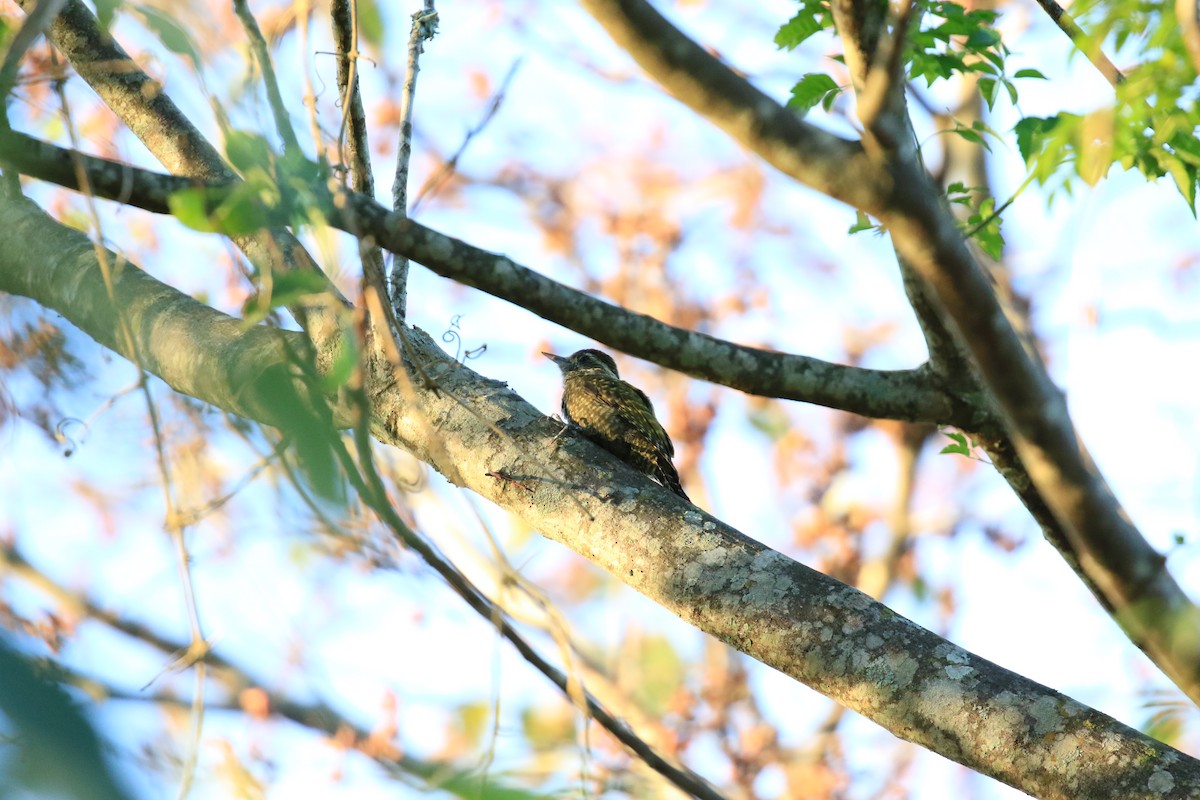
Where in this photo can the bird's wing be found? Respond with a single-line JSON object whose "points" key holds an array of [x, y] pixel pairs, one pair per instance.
{"points": [[614, 391]]}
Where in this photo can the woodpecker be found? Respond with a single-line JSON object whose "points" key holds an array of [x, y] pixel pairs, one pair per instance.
{"points": [[616, 415]]}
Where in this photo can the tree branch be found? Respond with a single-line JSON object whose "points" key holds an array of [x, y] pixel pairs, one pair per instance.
{"points": [[196, 350], [1066, 23], [424, 26], [910, 395], [1131, 576]]}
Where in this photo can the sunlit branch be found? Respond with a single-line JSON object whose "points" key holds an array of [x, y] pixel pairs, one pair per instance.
{"points": [[371, 488], [1066, 23], [344, 19]]}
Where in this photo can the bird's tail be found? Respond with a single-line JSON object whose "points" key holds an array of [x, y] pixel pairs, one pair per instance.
{"points": [[666, 474]]}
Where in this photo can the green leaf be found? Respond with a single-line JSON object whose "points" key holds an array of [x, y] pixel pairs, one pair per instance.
{"points": [[105, 11], [169, 32], [370, 23], [298, 170], [993, 56], [861, 223], [241, 211], [298, 410], [971, 136], [988, 237], [344, 363], [1032, 132], [1029, 73], [288, 287], [1012, 91], [285, 289], [247, 150], [988, 89], [1185, 180], [795, 31], [190, 206], [960, 446], [810, 90]]}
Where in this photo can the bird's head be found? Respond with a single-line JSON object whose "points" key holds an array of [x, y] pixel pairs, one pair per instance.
{"points": [[585, 360]]}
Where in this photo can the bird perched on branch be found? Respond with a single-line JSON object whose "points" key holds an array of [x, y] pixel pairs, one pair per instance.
{"points": [[616, 415]]}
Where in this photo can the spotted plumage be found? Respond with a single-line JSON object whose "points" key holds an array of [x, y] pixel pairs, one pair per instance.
{"points": [[616, 415]]}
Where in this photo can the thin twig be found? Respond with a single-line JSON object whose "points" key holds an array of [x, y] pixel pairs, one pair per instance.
{"points": [[1066, 23], [109, 271], [303, 12], [448, 168], [34, 26], [1003, 207], [193, 515], [353, 148], [890, 394], [424, 27], [353, 137], [316, 716], [283, 122], [343, 16]]}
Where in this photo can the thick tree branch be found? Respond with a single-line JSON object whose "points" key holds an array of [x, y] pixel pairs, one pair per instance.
{"points": [[839, 168], [1131, 576], [803, 623], [202, 352], [197, 351], [911, 395]]}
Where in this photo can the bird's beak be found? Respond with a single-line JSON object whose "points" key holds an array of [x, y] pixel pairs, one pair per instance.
{"points": [[562, 362]]}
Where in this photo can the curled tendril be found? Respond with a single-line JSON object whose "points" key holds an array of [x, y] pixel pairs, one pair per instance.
{"points": [[60, 435], [452, 336]]}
